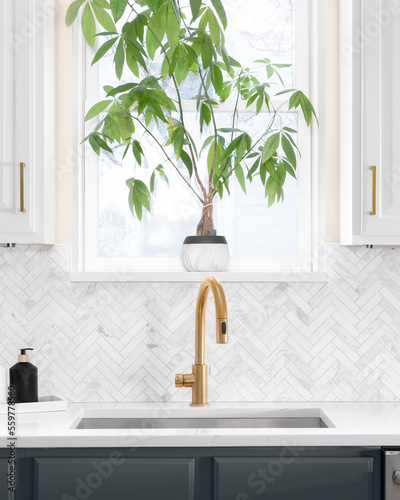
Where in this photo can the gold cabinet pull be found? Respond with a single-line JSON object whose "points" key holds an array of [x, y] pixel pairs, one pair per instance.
{"points": [[22, 187], [373, 190]]}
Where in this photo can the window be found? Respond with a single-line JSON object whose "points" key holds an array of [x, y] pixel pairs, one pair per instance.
{"points": [[272, 239]]}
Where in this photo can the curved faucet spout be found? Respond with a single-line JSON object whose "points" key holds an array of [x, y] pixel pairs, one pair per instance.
{"points": [[197, 380], [221, 315]]}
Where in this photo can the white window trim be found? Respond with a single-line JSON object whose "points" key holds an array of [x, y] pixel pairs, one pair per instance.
{"points": [[86, 267]]}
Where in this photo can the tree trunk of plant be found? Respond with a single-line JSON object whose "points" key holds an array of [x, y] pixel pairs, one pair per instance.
{"points": [[206, 222]]}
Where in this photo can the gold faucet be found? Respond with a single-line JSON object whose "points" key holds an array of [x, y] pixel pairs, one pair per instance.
{"points": [[197, 380]]}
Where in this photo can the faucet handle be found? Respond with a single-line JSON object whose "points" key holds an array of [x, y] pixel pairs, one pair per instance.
{"points": [[184, 380], [179, 380]]}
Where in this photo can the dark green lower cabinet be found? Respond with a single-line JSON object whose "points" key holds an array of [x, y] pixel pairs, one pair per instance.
{"points": [[117, 477], [3, 478], [292, 473], [292, 478]]}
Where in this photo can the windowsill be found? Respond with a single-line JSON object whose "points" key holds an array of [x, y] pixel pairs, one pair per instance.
{"points": [[186, 277]]}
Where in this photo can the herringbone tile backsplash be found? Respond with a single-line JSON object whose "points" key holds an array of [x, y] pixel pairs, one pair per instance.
{"points": [[335, 341]]}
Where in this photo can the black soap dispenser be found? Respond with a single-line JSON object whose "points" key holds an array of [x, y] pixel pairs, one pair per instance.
{"points": [[24, 378]]}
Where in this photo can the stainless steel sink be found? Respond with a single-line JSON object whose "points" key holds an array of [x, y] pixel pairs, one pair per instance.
{"points": [[203, 423]]}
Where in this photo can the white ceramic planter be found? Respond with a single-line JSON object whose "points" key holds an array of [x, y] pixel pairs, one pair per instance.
{"points": [[205, 253]]}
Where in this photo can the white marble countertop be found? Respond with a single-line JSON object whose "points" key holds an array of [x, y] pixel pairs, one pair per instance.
{"points": [[353, 424]]}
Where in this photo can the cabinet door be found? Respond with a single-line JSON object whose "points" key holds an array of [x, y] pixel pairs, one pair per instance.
{"points": [[3, 478], [114, 477], [381, 120], [289, 478], [26, 122], [16, 119]]}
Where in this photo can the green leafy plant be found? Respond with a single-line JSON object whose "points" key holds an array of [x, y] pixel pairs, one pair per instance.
{"points": [[189, 41]]}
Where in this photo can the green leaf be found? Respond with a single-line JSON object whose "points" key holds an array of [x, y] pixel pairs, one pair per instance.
{"points": [[139, 197], [120, 89], [195, 7], [172, 26], [103, 144], [271, 189], [88, 25], [160, 171], [97, 142], [138, 206], [97, 109], [212, 157], [152, 181], [253, 169], [187, 162], [119, 59], [229, 130], [142, 188], [289, 169], [207, 142], [207, 51], [102, 3], [126, 127], [113, 128], [137, 151], [300, 99], [217, 80], [95, 145], [104, 18], [289, 151], [259, 104], [240, 177], [118, 8], [104, 49], [152, 43], [72, 11], [126, 151], [270, 146], [215, 30], [131, 61], [205, 115], [281, 171], [178, 142], [270, 165], [219, 8]]}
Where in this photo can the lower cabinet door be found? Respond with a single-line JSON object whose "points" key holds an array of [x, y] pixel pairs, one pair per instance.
{"points": [[3, 478], [114, 478], [293, 478]]}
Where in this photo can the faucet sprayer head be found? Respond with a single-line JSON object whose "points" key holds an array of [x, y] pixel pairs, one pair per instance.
{"points": [[222, 330]]}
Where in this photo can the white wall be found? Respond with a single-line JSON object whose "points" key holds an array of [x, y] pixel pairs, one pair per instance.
{"points": [[64, 143], [332, 121]]}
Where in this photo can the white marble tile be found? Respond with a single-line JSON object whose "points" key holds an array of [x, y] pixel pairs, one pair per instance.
{"points": [[288, 342]]}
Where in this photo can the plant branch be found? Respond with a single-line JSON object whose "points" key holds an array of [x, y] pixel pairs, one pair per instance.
{"points": [[168, 158], [178, 94]]}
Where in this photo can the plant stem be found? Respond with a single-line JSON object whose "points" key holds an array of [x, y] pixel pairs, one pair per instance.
{"points": [[168, 158], [198, 180]]}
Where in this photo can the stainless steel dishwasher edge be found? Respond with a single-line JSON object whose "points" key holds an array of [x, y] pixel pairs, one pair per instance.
{"points": [[392, 474]]}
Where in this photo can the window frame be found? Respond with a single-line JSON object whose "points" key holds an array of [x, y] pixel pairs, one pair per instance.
{"points": [[310, 264]]}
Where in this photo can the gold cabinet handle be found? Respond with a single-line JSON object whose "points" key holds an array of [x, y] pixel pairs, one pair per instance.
{"points": [[22, 187], [373, 190]]}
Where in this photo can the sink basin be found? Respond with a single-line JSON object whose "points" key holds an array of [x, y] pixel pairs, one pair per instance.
{"points": [[304, 422]]}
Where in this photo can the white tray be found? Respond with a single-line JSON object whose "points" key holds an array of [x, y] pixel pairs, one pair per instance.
{"points": [[45, 403]]}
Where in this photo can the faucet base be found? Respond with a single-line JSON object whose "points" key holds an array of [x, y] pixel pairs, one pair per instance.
{"points": [[201, 404]]}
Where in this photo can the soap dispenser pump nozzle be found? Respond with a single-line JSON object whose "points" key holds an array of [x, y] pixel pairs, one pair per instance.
{"points": [[23, 357]]}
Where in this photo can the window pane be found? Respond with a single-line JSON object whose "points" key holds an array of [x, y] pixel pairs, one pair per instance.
{"points": [[252, 229], [256, 29], [260, 29]]}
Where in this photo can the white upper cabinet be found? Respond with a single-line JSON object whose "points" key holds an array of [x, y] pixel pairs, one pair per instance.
{"points": [[27, 168], [370, 122]]}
